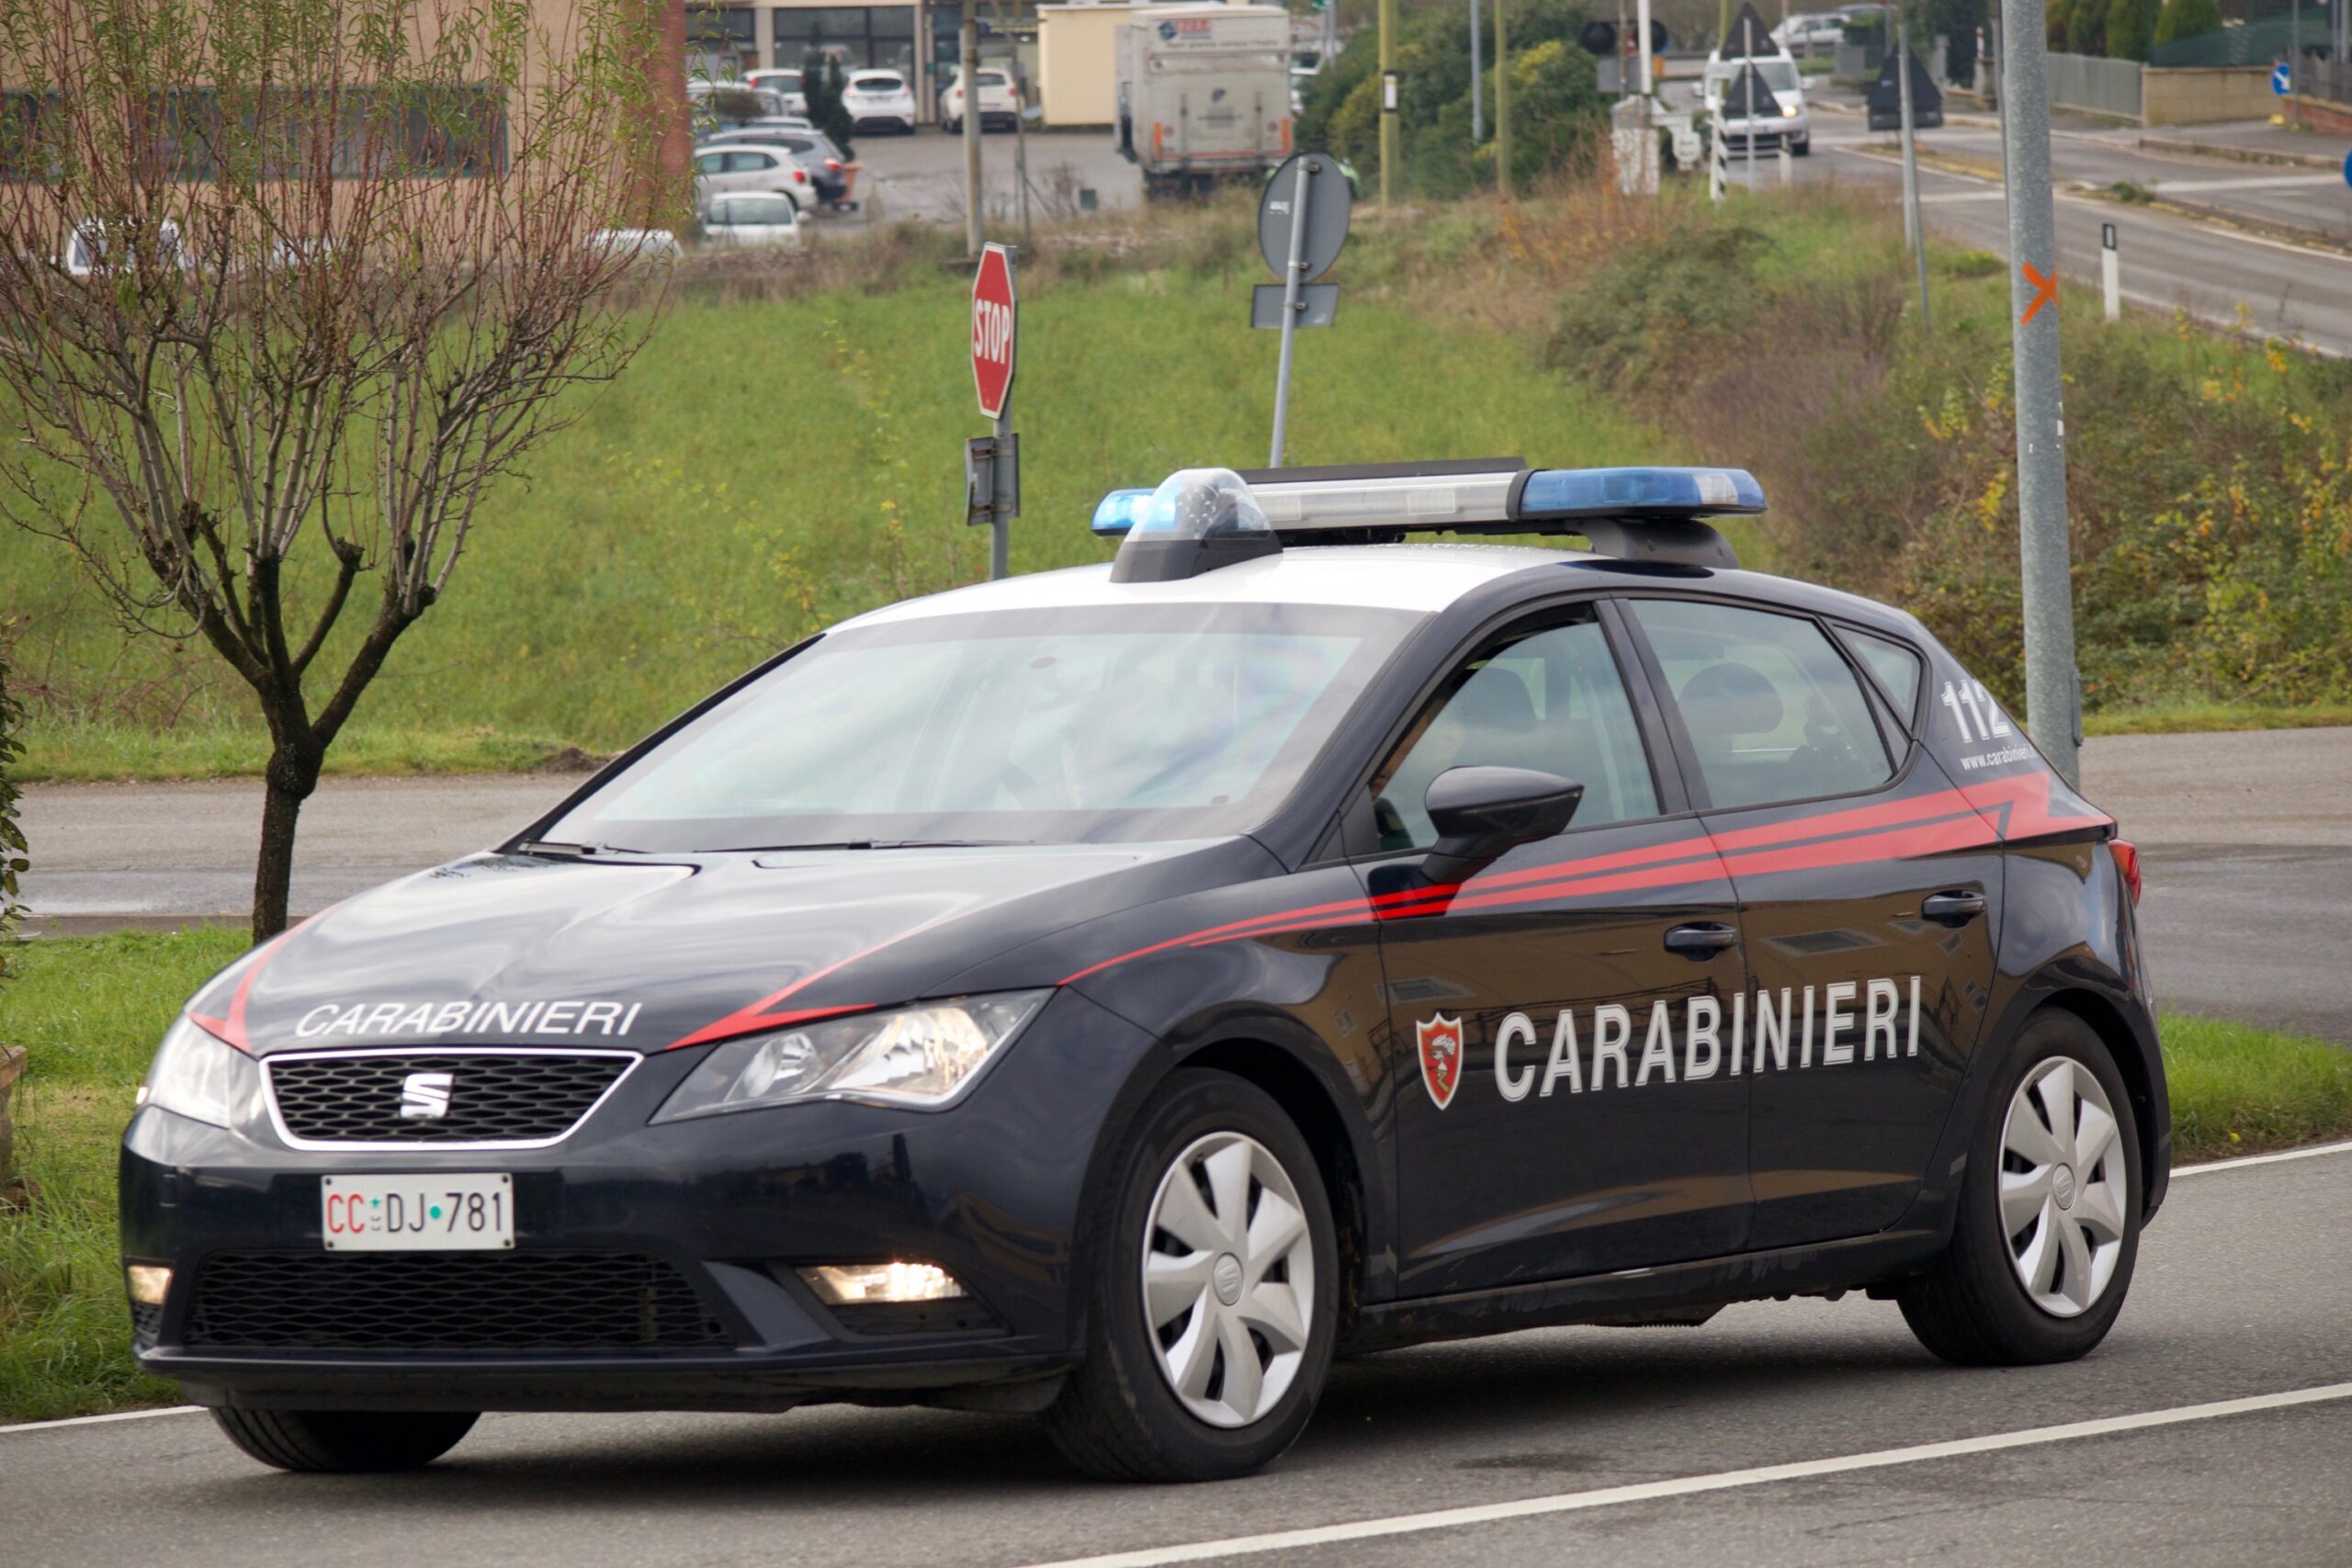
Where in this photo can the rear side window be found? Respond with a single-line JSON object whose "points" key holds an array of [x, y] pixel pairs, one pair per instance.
{"points": [[1897, 667], [1772, 711], [1551, 700]]}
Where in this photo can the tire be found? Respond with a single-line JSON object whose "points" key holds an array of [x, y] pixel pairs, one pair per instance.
{"points": [[1120, 1416], [1974, 1307], [953, 127], [345, 1441], [1803, 149]]}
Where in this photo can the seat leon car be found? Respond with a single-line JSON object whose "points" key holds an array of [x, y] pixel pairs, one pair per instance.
{"points": [[1108, 994]]}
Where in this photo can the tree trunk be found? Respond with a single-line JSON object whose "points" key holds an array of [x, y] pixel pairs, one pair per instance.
{"points": [[293, 773]]}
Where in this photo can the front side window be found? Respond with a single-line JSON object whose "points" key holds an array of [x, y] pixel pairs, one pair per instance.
{"points": [[1772, 711], [1551, 700], [1080, 726]]}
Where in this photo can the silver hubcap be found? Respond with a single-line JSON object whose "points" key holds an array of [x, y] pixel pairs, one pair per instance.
{"points": [[2064, 1186], [1228, 1279]]}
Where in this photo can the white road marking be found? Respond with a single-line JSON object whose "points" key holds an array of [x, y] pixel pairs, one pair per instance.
{"points": [[1651, 1491], [94, 1420], [2244, 182], [2213, 1164]]}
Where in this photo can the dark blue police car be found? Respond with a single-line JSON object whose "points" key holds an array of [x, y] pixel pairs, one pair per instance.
{"points": [[1108, 993]]}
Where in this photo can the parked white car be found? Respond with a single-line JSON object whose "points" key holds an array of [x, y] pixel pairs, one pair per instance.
{"points": [[105, 244], [731, 168], [784, 85], [1792, 125], [878, 98], [747, 220], [1805, 34], [656, 246], [999, 104]]}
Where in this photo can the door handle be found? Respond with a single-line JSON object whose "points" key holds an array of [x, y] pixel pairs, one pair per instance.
{"points": [[1702, 941], [1952, 908]]}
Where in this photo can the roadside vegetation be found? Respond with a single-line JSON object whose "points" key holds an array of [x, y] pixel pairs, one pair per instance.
{"points": [[91, 1010], [784, 452]]}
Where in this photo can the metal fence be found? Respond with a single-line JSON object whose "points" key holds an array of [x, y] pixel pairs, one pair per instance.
{"points": [[2328, 79], [2101, 86]]}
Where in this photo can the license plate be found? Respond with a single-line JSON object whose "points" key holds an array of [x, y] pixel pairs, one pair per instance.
{"points": [[417, 1213]]}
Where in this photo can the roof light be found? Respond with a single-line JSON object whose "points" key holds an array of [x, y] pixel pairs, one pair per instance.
{"points": [[1197, 520], [1119, 511], [1634, 493]]}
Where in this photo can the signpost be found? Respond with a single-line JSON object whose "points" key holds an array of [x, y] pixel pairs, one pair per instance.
{"points": [[992, 463], [1302, 224]]}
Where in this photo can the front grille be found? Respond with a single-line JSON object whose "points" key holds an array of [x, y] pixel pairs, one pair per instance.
{"points": [[493, 1097], [507, 1301]]}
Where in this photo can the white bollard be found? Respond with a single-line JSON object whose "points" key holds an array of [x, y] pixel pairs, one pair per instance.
{"points": [[1788, 163], [2110, 272]]}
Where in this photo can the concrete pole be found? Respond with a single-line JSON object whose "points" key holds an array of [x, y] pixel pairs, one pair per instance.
{"points": [[2050, 690], [968, 51], [1387, 110], [1503, 104], [1912, 225], [1477, 80], [1641, 26]]}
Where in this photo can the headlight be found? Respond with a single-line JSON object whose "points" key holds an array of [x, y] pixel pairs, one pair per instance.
{"points": [[919, 1056], [1787, 111], [198, 1076]]}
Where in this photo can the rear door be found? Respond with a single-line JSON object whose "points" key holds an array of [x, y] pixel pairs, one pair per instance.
{"points": [[1566, 1105], [1864, 884]]}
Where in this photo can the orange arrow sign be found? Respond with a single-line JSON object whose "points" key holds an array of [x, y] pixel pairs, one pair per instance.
{"points": [[2045, 290]]}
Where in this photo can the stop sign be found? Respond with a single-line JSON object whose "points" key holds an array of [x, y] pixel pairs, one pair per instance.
{"points": [[992, 318]]}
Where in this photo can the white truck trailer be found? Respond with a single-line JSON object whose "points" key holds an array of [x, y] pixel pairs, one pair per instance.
{"points": [[1203, 94]]}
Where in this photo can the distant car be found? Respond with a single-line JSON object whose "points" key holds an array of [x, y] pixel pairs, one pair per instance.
{"points": [[1792, 126], [827, 165], [875, 98], [105, 244], [655, 245], [736, 103], [1804, 34], [727, 168], [748, 219], [999, 104], [784, 85]]}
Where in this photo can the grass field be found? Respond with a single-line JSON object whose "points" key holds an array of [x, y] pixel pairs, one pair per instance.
{"points": [[90, 1009]]}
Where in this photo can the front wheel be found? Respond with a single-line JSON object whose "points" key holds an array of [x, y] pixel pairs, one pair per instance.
{"points": [[1212, 1294], [2049, 1225], [345, 1441]]}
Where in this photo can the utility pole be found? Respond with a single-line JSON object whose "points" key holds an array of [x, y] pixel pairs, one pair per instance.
{"points": [[1914, 234], [2051, 694], [1387, 102], [1502, 105], [968, 51], [1477, 80]]}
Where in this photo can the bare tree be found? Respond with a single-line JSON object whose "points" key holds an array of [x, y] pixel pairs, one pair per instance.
{"points": [[285, 285]]}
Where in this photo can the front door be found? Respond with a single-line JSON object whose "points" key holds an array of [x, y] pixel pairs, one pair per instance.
{"points": [[1565, 1101], [1865, 888]]}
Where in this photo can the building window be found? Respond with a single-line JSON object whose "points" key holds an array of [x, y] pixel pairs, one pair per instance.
{"points": [[859, 37], [723, 33]]}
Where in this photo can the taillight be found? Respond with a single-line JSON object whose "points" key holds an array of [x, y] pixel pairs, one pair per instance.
{"points": [[833, 166], [2127, 862], [800, 176]]}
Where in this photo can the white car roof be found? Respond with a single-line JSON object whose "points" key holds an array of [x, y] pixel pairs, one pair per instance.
{"points": [[1426, 578]]}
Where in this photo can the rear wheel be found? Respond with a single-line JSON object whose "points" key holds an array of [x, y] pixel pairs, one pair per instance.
{"points": [[2049, 1227], [1213, 1292], [345, 1442]]}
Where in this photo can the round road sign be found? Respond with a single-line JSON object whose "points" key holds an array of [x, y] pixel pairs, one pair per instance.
{"points": [[993, 313], [1329, 201]]}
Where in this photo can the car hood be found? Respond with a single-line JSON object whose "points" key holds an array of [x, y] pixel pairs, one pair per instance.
{"points": [[649, 955]]}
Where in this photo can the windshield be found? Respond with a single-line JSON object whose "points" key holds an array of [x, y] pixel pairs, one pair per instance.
{"points": [[744, 211], [1067, 727]]}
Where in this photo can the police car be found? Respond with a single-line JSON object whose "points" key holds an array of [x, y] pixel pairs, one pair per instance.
{"points": [[1107, 994]]}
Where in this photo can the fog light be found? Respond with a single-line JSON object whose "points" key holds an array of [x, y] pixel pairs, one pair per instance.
{"points": [[849, 1284], [150, 1282]]}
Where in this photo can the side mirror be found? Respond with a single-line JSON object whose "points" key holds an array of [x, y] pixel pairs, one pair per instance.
{"points": [[1482, 814]]}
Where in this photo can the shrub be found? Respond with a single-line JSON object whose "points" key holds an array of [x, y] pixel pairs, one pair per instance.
{"points": [[2188, 19], [2131, 28], [822, 89]]}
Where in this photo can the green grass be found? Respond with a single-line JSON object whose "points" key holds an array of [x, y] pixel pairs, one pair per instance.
{"points": [[89, 1011], [767, 468], [91, 1008], [2191, 717]]}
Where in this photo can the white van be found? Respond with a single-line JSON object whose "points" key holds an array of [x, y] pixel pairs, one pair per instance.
{"points": [[1794, 125]]}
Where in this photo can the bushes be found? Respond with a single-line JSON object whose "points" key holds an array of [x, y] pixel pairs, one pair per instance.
{"points": [[2188, 19], [1555, 108], [2131, 28]]}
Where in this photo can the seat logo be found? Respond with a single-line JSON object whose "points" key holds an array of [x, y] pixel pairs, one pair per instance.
{"points": [[424, 1096], [1440, 1039]]}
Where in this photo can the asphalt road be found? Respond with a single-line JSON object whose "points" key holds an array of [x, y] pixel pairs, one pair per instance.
{"points": [[922, 176], [2247, 837], [2219, 272], [2239, 1296]]}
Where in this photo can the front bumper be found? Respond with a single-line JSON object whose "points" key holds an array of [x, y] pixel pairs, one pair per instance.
{"points": [[726, 1208]]}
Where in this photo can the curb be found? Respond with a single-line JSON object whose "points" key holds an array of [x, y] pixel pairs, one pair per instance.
{"points": [[2229, 154]]}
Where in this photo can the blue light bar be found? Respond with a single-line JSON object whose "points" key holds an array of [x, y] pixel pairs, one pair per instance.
{"points": [[1120, 510], [1638, 492]]}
